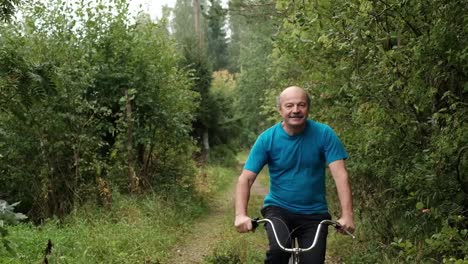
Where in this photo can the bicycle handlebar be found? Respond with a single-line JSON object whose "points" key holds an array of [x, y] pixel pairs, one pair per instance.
{"points": [[335, 224]]}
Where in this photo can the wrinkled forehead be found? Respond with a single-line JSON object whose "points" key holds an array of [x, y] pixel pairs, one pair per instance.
{"points": [[293, 96]]}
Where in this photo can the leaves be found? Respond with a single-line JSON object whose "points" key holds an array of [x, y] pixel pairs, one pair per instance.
{"points": [[8, 217], [7, 214], [388, 76], [7, 9], [62, 77]]}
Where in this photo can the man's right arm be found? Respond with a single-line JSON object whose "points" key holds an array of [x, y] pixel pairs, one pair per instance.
{"points": [[244, 183]]}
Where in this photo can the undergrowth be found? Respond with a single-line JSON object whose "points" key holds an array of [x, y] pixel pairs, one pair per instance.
{"points": [[134, 230], [235, 248]]}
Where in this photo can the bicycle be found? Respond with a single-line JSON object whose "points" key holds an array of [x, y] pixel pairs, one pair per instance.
{"points": [[295, 249]]}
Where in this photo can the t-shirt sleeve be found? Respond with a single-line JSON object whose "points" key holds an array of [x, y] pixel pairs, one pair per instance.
{"points": [[333, 148], [257, 156]]}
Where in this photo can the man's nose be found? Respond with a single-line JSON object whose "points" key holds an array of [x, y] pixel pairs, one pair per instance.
{"points": [[296, 109]]}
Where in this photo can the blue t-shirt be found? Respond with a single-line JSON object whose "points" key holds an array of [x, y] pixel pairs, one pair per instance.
{"points": [[296, 165]]}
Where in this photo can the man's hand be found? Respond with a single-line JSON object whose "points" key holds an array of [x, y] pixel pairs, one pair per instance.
{"points": [[243, 223], [346, 224]]}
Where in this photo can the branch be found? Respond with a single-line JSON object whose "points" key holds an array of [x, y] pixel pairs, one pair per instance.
{"points": [[413, 28]]}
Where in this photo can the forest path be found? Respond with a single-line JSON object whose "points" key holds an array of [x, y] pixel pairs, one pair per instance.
{"points": [[207, 231]]}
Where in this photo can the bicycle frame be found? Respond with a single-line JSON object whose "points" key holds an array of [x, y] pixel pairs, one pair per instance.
{"points": [[296, 249]]}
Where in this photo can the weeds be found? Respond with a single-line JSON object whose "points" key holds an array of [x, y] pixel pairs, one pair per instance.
{"points": [[134, 230]]}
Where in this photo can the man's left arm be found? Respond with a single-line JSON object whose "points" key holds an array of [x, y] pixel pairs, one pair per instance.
{"points": [[340, 175]]}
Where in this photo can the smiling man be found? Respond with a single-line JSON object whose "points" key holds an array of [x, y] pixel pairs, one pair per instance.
{"points": [[297, 151]]}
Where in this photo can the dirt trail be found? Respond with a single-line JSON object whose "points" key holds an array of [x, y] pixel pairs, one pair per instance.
{"points": [[206, 232]]}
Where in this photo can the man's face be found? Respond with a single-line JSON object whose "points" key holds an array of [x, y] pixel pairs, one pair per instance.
{"points": [[294, 108]]}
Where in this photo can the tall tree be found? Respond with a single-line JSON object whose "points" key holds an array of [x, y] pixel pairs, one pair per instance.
{"points": [[236, 24], [189, 31], [254, 32], [216, 36]]}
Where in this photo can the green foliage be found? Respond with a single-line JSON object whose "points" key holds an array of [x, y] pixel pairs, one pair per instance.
{"points": [[7, 9], [220, 178], [223, 155], [88, 97], [224, 124], [216, 35], [241, 248], [216, 123], [254, 32], [183, 24], [8, 217], [389, 77], [136, 230], [235, 251]]}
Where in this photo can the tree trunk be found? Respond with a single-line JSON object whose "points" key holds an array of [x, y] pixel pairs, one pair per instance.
{"points": [[206, 145], [133, 180], [197, 24]]}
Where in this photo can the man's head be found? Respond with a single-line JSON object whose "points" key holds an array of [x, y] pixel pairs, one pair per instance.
{"points": [[293, 106]]}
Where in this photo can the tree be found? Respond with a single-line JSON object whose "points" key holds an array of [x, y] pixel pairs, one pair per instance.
{"points": [[389, 77], [216, 35], [7, 9], [188, 26], [254, 33], [84, 97]]}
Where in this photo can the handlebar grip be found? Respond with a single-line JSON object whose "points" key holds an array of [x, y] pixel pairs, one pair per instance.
{"points": [[254, 223], [338, 226]]}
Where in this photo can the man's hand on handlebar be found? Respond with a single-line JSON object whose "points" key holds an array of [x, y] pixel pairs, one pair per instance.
{"points": [[346, 224], [243, 223]]}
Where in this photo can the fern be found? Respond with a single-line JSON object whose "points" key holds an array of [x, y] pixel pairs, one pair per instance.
{"points": [[8, 216]]}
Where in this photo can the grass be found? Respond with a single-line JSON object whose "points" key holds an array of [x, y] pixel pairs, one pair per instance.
{"points": [[250, 248], [135, 230], [144, 229], [240, 248], [140, 229]]}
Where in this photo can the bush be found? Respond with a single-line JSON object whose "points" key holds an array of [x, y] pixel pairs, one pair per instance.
{"points": [[8, 217]]}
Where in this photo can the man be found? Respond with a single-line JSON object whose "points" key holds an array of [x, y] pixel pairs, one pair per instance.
{"points": [[297, 151]]}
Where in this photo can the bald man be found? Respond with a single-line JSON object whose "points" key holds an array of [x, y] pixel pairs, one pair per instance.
{"points": [[297, 151]]}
